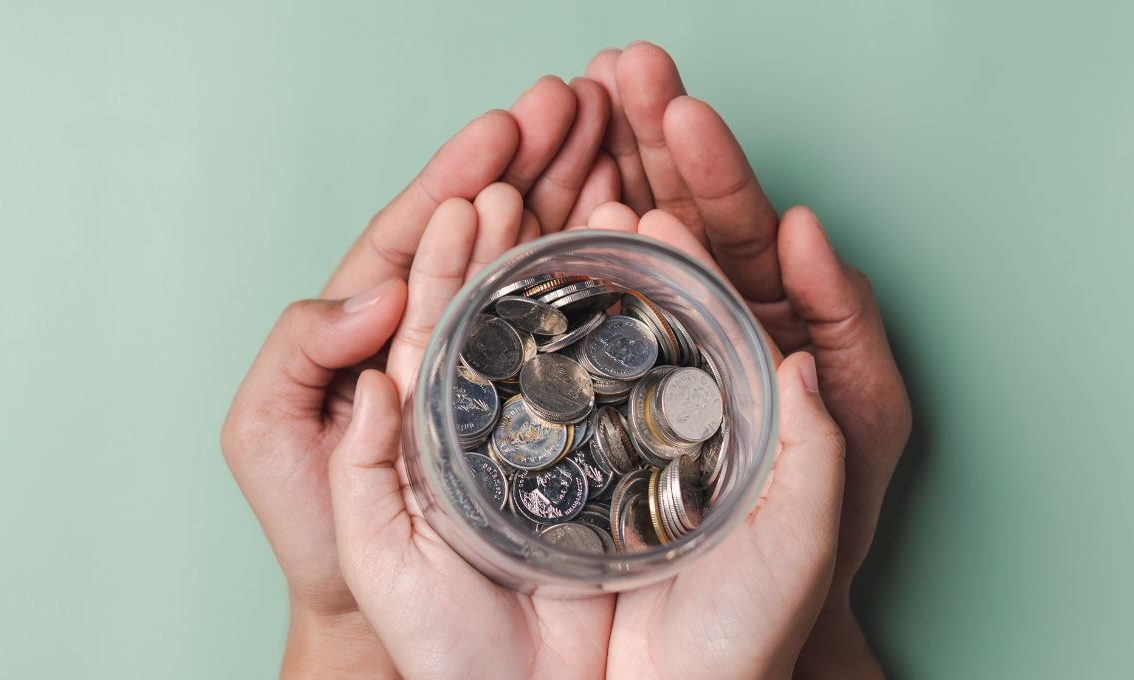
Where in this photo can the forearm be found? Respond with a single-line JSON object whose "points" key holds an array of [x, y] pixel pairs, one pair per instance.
{"points": [[333, 646]]}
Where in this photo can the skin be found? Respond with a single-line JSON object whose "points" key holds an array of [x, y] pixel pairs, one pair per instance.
{"points": [[282, 421], [767, 581], [676, 153], [296, 400]]}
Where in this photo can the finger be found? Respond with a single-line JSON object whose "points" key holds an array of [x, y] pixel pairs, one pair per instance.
{"points": [[847, 337], [438, 273], [613, 216], [799, 512], [665, 227], [499, 210], [601, 186], [647, 82], [557, 189], [529, 227], [471, 160], [366, 490], [543, 116], [739, 220], [312, 340], [619, 141]]}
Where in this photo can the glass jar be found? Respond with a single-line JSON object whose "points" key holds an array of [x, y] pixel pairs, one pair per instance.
{"points": [[458, 509]]}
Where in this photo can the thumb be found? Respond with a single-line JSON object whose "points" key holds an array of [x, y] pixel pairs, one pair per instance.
{"points": [[314, 338], [366, 490], [801, 507]]}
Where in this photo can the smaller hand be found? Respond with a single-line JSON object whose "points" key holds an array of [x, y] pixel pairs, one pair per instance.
{"points": [[436, 615]]}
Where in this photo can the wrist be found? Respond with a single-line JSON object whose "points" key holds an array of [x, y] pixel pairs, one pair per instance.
{"points": [[339, 645], [837, 646]]}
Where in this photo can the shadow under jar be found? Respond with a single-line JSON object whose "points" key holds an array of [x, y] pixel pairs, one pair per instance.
{"points": [[502, 546]]}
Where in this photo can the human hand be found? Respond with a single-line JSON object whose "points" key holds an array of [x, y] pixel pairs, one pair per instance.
{"points": [[436, 615], [296, 400], [675, 152], [439, 617]]}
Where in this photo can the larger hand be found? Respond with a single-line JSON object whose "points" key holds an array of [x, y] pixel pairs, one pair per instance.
{"points": [[294, 405], [675, 152]]}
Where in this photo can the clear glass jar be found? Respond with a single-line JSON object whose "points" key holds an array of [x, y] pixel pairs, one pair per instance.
{"points": [[490, 539]]}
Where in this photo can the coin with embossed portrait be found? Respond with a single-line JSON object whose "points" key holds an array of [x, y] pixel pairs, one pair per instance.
{"points": [[526, 442], [690, 404]]}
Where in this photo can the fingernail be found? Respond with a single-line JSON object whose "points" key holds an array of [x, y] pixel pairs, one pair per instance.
{"points": [[807, 374], [367, 298]]}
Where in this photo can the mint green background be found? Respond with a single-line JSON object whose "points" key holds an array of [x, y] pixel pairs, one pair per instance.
{"points": [[172, 174]]}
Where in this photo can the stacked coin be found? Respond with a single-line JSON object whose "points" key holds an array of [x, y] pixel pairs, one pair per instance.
{"points": [[591, 414]]}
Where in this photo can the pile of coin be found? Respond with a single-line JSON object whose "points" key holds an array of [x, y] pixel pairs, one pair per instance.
{"points": [[591, 414]]}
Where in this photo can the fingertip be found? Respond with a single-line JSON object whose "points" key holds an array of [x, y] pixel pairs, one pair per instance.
{"points": [[603, 63], [803, 416], [614, 216], [499, 197], [374, 424], [592, 91]]}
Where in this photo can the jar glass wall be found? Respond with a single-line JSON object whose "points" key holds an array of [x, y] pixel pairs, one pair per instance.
{"points": [[492, 540]]}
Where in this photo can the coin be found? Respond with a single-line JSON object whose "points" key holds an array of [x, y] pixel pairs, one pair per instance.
{"points": [[621, 348], [689, 404], [523, 284], [713, 454], [635, 530], [475, 405], [526, 442], [557, 388], [639, 306], [550, 496], [494, 349], [490, 476], [612, 442], [531, 315], [575, 536], [599, 476], [574, 334], [597, 517]]}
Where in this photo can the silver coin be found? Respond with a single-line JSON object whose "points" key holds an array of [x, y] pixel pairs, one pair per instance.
{"points": [[713, 453], [550, 496], [494, 349], [526, 442], [599, 476], [475, 403], [646, 437], [545, 287], [635, 529], [690, 403], [573, 335], [557, 388], [571, 289], [621, 348], [574, 536], [531, 347], [490, 476], [583, 433], [634, 484], [600, 522], [531, 315], [588, 301], [612, 441], [687, 492], [690, 355], [637, 305]]}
